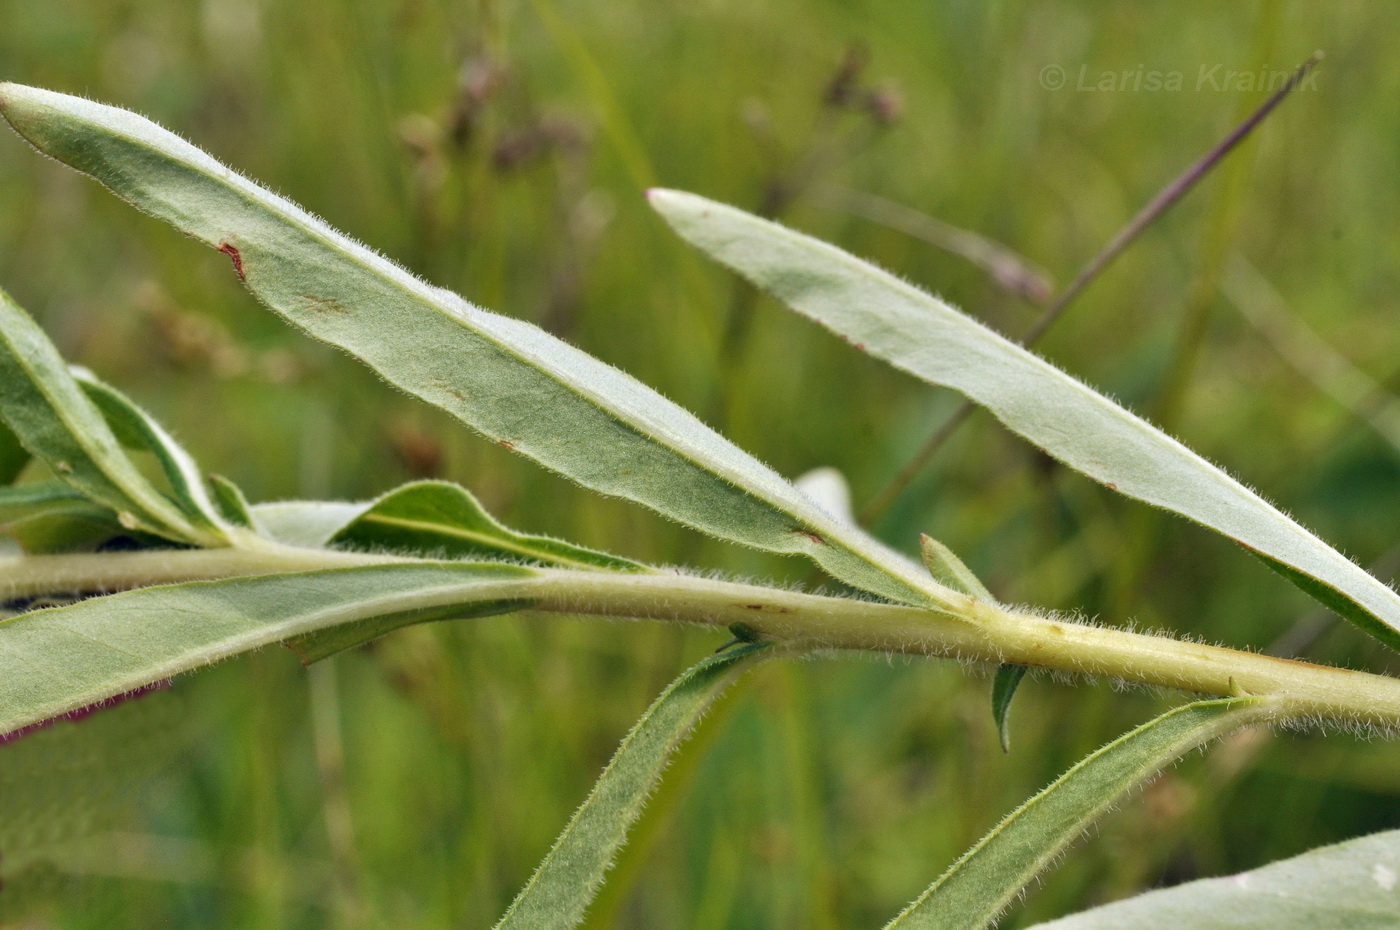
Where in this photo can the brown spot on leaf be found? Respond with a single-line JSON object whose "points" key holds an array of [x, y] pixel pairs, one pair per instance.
{"points": [[506, 444], [235, 257], [814, 537], [324, 304]]}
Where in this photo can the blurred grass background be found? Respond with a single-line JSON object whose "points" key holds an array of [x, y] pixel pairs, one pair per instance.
{"points": [[501, 149]]}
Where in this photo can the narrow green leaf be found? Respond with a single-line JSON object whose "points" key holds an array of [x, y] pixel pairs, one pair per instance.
{"points": [[950, 570], [991, 875], [1004, 685], [65, 658], [444, 519], [1351, 884], [59, 424], [138, 430], [229, 499], [511, 381], [944, 565], [926, 337], [562, 887]]}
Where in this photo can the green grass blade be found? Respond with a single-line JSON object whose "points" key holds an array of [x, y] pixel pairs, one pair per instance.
{"points": [[1351, 884], [444, 520], [980, 885], [509, 380], [926, 337], [562, 887], [138, 430], [58, 423], [58, 660]]}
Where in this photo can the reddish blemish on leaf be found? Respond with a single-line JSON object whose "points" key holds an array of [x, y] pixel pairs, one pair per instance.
{"points": [[814, 537], [234, 257], [507, 444], [81, 712]]}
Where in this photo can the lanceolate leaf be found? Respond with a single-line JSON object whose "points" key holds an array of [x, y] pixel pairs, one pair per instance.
{"points": [[559, 892], [59, 424], [926, 337], [1351, 885], [991, 875], [443, 519], [1004, 685], [137, 430], [65, 658], [509, 380]]}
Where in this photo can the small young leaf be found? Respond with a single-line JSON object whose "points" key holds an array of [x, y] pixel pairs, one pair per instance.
{"points": [[951, 571], [138, 430], [1351, 884], [59, 424], [510, 381], [926, 337], [991, 875], [444, 519], [232, 505], [562, 887], [1004, 685], [64, 658]]}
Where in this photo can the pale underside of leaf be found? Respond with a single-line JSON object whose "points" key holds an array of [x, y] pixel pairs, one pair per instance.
{"points": [[64, 658], [511, 381], [559, 892], [1351, 884], [920, 334], [980, 885]]}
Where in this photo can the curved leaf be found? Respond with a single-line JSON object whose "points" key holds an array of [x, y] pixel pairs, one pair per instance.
{"points": [[992, 874], [511, 381], [444, 519], [926, 337], [1351, 884], [138, 430], [65, 658], [49, 516], [562, 887], [58, 423]]}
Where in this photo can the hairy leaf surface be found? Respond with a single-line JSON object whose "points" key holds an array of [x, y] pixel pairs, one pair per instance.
{"points": [[509, 380], [926, 337], [1351, 884], [981, 884], [64, 658]]}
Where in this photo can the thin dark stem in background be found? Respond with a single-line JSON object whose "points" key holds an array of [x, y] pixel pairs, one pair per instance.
{"points": [[1159, 205]]}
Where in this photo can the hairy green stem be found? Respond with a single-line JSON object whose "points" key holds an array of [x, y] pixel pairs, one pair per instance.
{"points": [[971, 630]]}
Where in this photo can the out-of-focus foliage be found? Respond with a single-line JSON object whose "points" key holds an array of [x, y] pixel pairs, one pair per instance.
{"points": [[500, 149]]}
